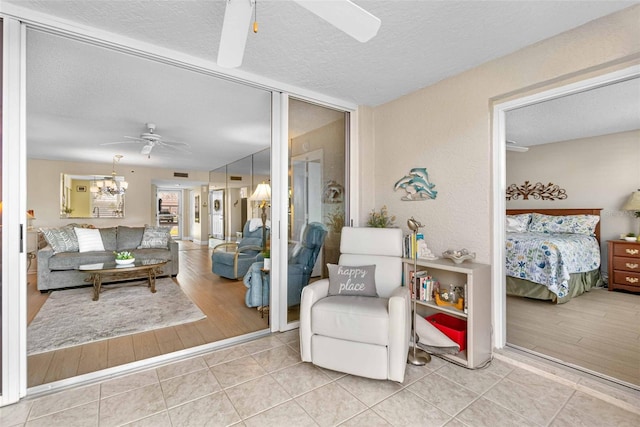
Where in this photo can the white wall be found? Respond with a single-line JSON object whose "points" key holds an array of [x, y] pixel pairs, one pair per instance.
{"points": [[446, 128], [43, 191], [596, 172]]}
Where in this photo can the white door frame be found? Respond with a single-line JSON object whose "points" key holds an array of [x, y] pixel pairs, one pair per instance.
{"points": [[14, 162], [499, 181]]}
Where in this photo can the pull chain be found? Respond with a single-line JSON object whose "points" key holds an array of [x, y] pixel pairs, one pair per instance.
{"points": [[255, 17]]}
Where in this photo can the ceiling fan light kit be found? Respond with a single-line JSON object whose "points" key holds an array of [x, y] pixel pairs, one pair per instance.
{"points": [[342, 14]]}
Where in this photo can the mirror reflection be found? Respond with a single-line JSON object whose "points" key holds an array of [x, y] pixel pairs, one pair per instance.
{"points": [[92, 196]]}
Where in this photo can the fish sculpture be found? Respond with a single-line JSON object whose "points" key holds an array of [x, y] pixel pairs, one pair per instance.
{"points": [[417, 185]]}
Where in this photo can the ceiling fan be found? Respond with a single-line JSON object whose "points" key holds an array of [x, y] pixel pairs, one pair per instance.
{"points": [[342, 14], [150, 139]]}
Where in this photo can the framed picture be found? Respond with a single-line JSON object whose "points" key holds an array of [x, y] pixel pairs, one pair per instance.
{"points": [[196, 210], [81, 188]]}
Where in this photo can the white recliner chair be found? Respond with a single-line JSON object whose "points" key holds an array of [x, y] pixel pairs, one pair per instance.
{"points": [[358, 335]]}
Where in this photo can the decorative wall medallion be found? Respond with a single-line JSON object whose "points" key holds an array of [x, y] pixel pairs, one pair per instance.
{"points": [[333, 192], [416, 185], [540, 191]]}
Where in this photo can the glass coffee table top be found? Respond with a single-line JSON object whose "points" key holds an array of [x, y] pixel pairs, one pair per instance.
{"points": [[111, 265]]}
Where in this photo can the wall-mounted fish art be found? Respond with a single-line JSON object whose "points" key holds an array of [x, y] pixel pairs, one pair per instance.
{"points": [[416, 185]]}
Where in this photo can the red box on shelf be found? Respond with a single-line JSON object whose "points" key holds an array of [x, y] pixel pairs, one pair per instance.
{"points": [[454, 328]]}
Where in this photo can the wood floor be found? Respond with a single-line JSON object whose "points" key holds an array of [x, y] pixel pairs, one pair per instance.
{"points": [[599, 330], [222, 301]]}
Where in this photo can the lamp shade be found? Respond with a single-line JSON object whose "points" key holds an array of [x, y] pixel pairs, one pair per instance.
{"points": [[262, 193], [633, 203]]}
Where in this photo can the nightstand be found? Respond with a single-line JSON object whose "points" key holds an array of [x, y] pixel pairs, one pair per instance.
{"points": [[624, 265]]}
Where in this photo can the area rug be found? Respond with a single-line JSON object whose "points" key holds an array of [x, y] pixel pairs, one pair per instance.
{"points": [[70, 317]]}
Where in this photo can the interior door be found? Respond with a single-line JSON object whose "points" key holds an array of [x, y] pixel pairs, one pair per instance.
{"points": [[216, 201]]}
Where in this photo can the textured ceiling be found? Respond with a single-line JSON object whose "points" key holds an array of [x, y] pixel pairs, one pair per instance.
{"points": [[80, 96], [419, 42], [608, 109]]}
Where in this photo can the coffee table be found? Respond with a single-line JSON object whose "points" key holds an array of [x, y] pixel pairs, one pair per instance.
{"points": [[149, 268]]}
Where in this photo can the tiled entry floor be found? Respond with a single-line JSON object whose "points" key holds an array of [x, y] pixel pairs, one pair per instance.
{"points": [[263, 383]]}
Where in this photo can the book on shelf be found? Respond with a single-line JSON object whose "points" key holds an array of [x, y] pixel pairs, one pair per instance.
{"points": [[464, 287], [422, 285], [410, 244]]}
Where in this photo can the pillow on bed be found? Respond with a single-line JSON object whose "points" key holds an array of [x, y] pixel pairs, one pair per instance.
{"points": [[517, 223], [576, 224]]}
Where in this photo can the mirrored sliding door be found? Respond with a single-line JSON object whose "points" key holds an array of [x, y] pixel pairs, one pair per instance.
{"points": [[318, 145]]}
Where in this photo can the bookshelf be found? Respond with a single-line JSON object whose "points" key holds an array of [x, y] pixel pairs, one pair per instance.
{"points": [[477, 278]]}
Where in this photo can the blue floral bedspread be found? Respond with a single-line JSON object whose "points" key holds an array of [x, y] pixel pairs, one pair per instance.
{"points": [[549, 258]]}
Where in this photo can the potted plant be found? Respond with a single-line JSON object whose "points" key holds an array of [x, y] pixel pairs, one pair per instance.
{"points": [[267, 259], [380, 219], [124, 257], [630, 237], [67, 211]]}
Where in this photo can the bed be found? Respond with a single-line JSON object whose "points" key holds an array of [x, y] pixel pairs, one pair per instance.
{"points": [[549, 257]]}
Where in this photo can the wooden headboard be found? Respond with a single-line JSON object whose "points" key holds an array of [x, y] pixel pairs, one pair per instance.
{"points": [[560, 212]]}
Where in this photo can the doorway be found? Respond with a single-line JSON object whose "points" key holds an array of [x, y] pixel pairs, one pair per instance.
{"points": [[610, 223], [168, 214]]}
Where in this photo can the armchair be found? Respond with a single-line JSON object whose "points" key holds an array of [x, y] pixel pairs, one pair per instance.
{"points": [[302, 258], [233, 259], [360, 335]]}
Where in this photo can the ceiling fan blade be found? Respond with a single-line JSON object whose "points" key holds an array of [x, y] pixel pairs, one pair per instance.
{"points": [[119, 142], [174, 143], [345, 16], [237, 19]]}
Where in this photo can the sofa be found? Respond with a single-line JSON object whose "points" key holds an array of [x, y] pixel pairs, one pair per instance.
{"points": [[65, 251]]}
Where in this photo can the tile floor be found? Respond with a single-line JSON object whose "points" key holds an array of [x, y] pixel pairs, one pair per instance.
{"points": [[263, 383]]}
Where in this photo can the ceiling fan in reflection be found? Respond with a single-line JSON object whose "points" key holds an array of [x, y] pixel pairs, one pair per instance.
{"points": [[150, 139]]}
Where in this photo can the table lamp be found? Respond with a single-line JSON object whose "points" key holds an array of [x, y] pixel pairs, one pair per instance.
{"points": [[263, 195], [633, 204]]}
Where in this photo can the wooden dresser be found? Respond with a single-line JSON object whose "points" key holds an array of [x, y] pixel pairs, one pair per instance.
{"points": [[624, 265]]}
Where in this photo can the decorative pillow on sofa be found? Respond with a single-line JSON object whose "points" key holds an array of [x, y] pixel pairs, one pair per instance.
{"points": [[109, 238], [61, 239], [155, 238], [89, 239], [576, 224], [129, 237], [352, 280], [517, 223]]}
